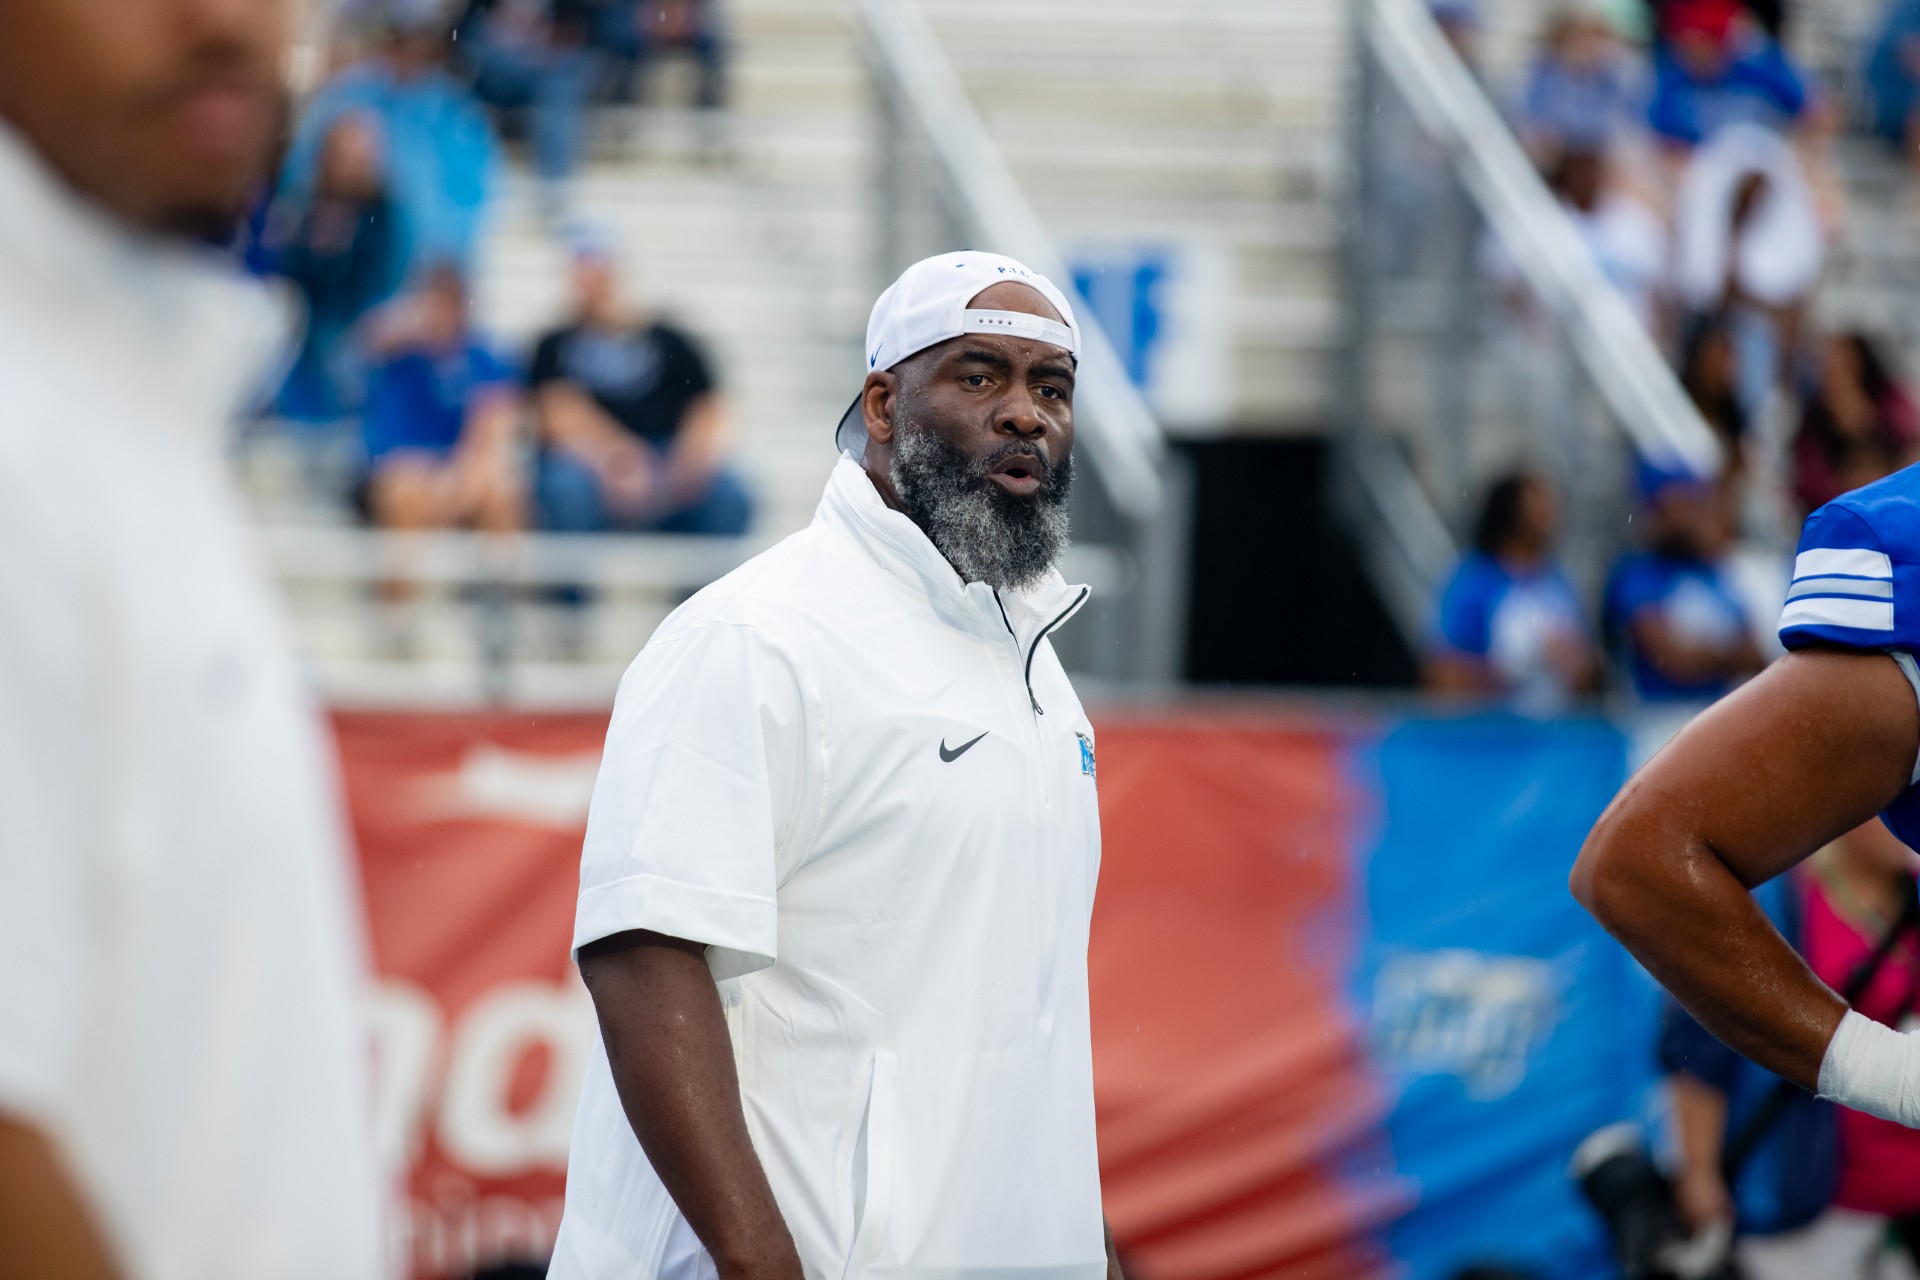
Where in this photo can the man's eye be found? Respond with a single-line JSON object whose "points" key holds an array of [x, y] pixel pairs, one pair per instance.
{"points": [[974, 380], [1052, 393]]}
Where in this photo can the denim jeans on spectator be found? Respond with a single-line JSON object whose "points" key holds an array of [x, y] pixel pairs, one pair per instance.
{"points": [[570, 502], [617, 31], [555, 83]]}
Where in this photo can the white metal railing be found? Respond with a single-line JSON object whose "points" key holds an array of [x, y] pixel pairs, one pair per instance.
{"points": [[1610, 342], [1117, 425], [662, 564]]}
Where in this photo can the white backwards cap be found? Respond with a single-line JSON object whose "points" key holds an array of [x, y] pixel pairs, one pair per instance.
{"points": [[927, 305]]}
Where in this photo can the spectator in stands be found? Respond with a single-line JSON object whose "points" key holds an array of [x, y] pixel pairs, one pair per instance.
{"points": [[1893, 78], [1709, 370], [1724, 1106], [1836, 913], [441, 420], [631, 425], [1626, 238], [1510, 623], [1857, 423], [1459, 22], [1861, 884], [1713, 66], [1672, 609], [533, 56], [637, 32], [1748, 248], [342, 251], [442, 159], [1580, 91]]}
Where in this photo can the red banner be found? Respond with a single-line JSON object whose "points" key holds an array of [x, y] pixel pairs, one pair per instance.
{"points": [[1229, 1078]]}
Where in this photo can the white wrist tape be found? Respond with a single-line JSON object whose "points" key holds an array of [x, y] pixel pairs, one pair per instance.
{"points": [[1873, 1068]]}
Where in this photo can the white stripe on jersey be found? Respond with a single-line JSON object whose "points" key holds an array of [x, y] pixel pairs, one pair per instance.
{"points": [[1854, 562], [1865, 588], [1833, 611]]}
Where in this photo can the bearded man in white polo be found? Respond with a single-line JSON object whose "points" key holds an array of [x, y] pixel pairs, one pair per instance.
{"points": [[840, 863]]}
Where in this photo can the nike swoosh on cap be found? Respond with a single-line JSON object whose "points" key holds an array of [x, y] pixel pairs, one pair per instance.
{"points": [[957, 752]]}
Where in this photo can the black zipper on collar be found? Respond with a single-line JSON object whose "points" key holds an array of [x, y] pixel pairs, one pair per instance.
{"points": [[1034, 648]]}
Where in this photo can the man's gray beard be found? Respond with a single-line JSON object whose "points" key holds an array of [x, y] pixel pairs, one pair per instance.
{"points": [[987, 534]]}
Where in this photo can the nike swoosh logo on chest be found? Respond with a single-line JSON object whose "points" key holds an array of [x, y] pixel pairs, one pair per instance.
{"points": [[951, 755]]}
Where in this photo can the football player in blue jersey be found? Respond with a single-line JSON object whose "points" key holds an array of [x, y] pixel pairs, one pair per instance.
{"points": [[1817, 744]]}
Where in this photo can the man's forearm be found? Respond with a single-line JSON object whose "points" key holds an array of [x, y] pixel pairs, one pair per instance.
{"points": [[46, 1228], [672, 1062], [1696, 927]]}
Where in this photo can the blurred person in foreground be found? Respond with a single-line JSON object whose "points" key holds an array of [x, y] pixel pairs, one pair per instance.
{"points": [[632, 428], [1671, 608], [840, 862], [1857, 423], [1510, 623], [441, 425], [1807, 751], [183, 1057]]}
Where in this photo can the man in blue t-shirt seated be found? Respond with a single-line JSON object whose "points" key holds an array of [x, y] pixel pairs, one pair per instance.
{"points": [[632, 428], [1509, 622], [1671, 608], [441, 419], [1713, 67]]}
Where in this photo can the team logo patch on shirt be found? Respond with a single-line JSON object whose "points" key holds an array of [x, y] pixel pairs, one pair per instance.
{"points": [[1086, 754]]}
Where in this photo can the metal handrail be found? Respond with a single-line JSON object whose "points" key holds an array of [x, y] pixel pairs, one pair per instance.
{"points": [[1610, 342], [1117, 424]]}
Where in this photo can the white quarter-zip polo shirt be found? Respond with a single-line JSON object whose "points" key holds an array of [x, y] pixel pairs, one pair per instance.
{"points": [[869, 788], [181, 959]]}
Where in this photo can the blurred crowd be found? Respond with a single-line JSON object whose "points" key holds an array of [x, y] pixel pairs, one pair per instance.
{"points": [[1693, 158], [613, 420]]}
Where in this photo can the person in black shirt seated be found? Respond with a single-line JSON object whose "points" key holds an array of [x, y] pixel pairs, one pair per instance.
{"points": [[631, 426]]}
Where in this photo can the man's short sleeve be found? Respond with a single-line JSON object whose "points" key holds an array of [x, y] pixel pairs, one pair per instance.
{"points": [[707, 785], [686, 370], [1843, 590]]}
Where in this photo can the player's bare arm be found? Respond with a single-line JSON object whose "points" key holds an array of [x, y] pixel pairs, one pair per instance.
{"points": [[1816, 745], [673, 1065]]}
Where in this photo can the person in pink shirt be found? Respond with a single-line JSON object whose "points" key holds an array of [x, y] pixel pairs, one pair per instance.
{"points": [[1860, 886]]}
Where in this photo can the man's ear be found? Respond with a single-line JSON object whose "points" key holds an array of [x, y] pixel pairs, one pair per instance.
{"points": [[877, 400]]}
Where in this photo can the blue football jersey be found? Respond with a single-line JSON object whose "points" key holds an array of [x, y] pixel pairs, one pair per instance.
{"points": [[1856, 585]]}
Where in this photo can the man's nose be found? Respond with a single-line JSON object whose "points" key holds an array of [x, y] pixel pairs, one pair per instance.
{"points": [[1020, 415]]}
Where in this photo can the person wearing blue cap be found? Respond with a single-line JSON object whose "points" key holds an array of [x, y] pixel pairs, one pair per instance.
{"points": [[840, 860], [1670, 608]]}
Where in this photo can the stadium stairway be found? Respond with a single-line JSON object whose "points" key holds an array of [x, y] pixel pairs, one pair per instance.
{"points": [[1210, 124], [752, 245]]}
